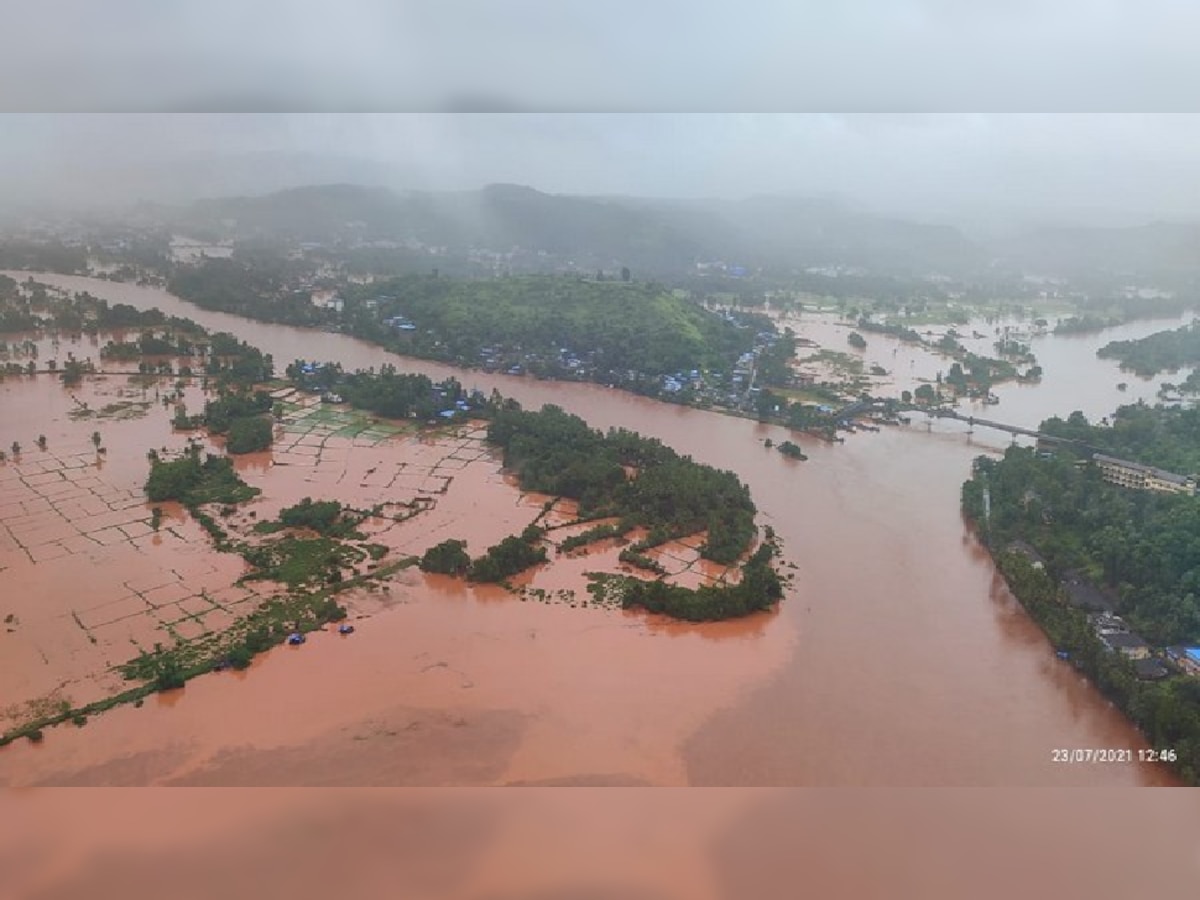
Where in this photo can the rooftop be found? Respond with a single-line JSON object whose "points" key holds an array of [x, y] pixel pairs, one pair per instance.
{"points": [[1150, 668], [1083, 593], [1123, 639]]}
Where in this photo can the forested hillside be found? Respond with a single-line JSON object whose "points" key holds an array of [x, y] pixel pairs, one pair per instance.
{"points": [[552, 324]]}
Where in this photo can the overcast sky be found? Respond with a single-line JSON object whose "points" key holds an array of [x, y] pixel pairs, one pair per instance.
{"points": [[1088, 167], [396, 62], [610, 55]]}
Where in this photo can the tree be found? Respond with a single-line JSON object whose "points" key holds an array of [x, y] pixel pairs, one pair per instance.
{"points": [[72, 372], [322, 516], [510, 556], [787, 448], [447, 558], [249, 434], [625, 276]]}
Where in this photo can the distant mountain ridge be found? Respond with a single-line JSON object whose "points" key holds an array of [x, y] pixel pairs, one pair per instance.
{"points": [[652, 235], [657, 236]]}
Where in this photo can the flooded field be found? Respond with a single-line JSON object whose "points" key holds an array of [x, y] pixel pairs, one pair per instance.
{"points": [[898, 657], [90, 582]]}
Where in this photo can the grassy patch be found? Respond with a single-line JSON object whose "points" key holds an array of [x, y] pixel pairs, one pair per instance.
{"points": [[300, 562]]}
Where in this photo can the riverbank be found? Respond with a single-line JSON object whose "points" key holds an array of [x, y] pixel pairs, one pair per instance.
{"points": [[1078, 645]]}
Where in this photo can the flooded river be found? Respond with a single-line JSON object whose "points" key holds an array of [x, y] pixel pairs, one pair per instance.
{"points": [[897, 659]]}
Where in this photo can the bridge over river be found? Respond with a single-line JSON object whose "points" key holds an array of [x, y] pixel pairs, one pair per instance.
{"points": [[1014, 430]]}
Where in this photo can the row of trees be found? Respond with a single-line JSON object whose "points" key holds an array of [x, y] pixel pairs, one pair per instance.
{"points": [[150, 343], [1155, 435], [511, 555], [387, 393]]}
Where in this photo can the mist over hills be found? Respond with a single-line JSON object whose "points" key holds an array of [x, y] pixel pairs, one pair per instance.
{"points": [[658, 236], [654, 235], [1164, 248]]}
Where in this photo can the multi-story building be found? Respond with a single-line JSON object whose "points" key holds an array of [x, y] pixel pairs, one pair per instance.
{"points": [[1143, 478]]}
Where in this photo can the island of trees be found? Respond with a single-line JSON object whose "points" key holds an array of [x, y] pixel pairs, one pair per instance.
{"points": [[1164, 351], [641, 483]]}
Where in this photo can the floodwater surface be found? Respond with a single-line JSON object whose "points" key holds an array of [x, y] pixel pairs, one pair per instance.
{"points": [[898, 657]]}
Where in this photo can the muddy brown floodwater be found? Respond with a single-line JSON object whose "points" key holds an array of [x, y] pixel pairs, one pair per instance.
{"points": [[612, 844], [898, 658]]}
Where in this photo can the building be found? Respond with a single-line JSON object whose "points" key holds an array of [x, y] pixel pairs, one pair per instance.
{"points": [[1143, 478], [1128, 643], [1189, 660], [1083, 594], [1150, 669]]}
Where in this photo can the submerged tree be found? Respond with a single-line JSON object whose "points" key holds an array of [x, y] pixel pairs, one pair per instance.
{"points": [[448, 558]]}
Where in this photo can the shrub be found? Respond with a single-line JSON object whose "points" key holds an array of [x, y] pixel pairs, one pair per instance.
{"points": [[240, 656]]}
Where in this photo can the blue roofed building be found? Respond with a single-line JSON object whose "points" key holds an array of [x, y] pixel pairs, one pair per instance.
{"points": [[1192, 657]]}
